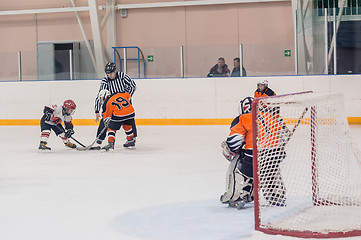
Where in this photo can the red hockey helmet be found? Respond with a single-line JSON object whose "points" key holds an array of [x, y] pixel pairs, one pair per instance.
{"points": [[69, 107]]}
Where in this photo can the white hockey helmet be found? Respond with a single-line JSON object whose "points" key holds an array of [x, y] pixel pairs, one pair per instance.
{"points": [[245, 105], [263, 82], [103, 94]]}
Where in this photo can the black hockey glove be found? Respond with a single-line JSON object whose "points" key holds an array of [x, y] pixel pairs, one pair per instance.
{"points": [[69, 133], [47, 114], [106, 121]]}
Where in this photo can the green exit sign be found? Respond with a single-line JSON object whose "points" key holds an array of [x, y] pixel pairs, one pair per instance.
{"points": [[287, 53], [150, 58]]}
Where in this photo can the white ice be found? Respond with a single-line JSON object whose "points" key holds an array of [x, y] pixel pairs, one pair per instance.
{"points": [[167, 188]]}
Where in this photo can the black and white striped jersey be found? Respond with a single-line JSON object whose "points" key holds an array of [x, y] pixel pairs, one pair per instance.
{"points": [[121, 83]]}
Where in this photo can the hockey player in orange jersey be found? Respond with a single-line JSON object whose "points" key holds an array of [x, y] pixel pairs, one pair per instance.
{"points": [[238, 150], [263, 90], [117, 111]]}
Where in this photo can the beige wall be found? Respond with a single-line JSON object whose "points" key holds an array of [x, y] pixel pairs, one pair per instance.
{"points": [[206, 32]]}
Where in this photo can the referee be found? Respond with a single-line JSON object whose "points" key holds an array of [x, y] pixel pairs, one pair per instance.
{"points": [[115, 82]]}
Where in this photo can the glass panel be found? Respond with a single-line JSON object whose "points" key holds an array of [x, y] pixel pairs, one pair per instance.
{"points": [[9, 66], [49, 63], [162, 62], [200, 59], [310, 41], [29, 65]]}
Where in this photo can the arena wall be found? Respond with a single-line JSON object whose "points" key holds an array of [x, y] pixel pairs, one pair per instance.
{"points": [[168, 101]]}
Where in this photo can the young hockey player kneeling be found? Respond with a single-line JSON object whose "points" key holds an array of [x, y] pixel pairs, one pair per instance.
{"points": [[117, 111], [237, 149], [53, 116]]}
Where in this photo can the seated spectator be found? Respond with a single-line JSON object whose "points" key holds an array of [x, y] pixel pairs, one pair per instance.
{"points": [[220, 69], [236, 70]]}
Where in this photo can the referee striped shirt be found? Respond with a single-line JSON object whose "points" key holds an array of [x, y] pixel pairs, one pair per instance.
{"points": [[121, 83]]}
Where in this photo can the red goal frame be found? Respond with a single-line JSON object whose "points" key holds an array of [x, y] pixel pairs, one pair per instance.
{"points": [[316, 200]]}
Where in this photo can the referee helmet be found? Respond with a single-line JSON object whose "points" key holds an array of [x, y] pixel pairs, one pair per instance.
{"points": [[110, 67]]}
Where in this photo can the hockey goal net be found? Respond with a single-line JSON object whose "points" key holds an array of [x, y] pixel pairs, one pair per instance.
{"points": [[307, 169]]}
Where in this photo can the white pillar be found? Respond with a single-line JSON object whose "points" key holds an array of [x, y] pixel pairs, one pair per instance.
{"points": [[98, 44], [111, 28], [241, 60], [19, 66], [182, 61]]}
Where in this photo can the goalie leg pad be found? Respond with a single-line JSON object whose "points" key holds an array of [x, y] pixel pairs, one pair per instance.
{"points": [[239, 186]]}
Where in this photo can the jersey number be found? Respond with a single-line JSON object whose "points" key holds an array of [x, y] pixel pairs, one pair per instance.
{"points": [[120, 103]]}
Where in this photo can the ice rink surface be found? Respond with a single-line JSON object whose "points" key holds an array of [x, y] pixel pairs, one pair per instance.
{"points": [[167, 188]]}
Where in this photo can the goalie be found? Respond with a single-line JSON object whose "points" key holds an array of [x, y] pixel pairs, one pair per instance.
{"points": [[237, 149]]}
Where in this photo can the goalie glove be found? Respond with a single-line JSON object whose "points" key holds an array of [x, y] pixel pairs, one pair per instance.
{"points": [[227, 153]]}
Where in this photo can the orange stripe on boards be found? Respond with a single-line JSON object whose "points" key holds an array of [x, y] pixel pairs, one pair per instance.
{"points": [[221, 121]]}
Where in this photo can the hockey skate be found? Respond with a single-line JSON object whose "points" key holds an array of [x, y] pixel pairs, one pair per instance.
{"points": [[239, 204], [108, 148], [129, 143], [70, 145], [43, 147]]}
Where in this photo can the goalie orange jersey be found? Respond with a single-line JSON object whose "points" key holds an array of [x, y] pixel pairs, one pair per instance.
{"points": [[270, 130], [243, 129], [118, 106]]}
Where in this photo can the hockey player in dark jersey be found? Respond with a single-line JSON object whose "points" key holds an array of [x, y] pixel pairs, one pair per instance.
{"points": [[114, 82], [238, 150], [263, 90], [53, 116]]}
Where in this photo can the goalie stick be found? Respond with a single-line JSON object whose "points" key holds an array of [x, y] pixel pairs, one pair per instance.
{"points": [[84, 148], [294, 128]]}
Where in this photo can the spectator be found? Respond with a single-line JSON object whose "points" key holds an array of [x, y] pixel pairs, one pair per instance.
{"points": [[236, 70], [220, 69]]}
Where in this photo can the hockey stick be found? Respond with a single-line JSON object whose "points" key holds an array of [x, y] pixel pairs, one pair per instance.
{"points": [[70, 136], [84, 148], [295, 127], [77, 141]]}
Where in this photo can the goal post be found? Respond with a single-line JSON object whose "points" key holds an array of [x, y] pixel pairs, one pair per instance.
{"points": [[307, 168]]}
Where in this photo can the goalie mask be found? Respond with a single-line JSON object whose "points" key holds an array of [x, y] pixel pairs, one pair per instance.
{"points": [[69, 107], [245, 105], [103, 94]]}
